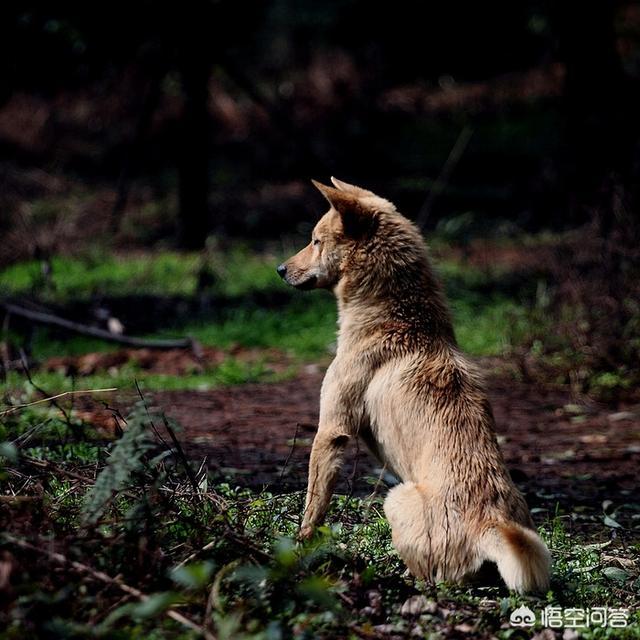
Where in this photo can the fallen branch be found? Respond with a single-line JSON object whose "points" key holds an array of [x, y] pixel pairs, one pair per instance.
{"points": [[195, 554], [103, 577], [142, 343], [47, 464]]}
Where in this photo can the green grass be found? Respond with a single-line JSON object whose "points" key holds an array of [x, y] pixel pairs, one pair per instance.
{"points": [[164, 273], [487, 329], [486, 316], [304, 328], [101, 274], [229, 372]]}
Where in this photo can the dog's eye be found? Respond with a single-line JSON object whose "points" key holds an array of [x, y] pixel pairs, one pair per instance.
{"points": [[315, 242]]}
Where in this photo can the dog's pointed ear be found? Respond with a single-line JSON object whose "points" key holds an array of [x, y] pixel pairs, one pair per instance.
{"points": [[339, 200], [357, 220], [351, 188]]}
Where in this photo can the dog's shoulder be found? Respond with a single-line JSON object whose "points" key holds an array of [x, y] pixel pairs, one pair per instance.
{"points": [[445, 372]]}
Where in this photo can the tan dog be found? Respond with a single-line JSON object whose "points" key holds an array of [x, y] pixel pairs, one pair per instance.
{"points": [[399, 382]]}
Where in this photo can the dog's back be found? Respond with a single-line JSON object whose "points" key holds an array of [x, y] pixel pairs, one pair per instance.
{"points": [[429, 416]]}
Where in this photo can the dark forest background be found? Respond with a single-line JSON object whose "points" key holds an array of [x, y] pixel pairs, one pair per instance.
{"points": [[221, 111]]}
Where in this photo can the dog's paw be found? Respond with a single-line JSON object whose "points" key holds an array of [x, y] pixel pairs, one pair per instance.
{"points": [[306, 532]]}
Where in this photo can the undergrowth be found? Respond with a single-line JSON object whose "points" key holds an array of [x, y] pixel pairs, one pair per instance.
{"points": [[129, 539], [580, 324]]}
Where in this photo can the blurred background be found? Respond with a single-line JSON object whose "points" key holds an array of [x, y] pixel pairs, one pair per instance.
{"points": [[147, 123], [155, 166]]}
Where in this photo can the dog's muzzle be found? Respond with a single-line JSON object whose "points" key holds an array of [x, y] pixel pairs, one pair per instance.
{"points": [[304, 285]]}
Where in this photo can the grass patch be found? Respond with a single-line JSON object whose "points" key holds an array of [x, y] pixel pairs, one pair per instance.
{"points": [[164, 273], [488, 315], [229, 372], [98, 274], [489, 328], [305, 328]]}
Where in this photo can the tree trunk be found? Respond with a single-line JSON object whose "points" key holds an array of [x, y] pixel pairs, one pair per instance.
{"points": [[193, 154]]}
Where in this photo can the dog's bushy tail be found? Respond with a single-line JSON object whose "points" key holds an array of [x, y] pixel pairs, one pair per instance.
{"points": [[522, 557], [436, 544]]}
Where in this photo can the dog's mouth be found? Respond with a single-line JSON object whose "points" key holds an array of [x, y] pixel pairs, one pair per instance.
{"points": [[305, 285]]}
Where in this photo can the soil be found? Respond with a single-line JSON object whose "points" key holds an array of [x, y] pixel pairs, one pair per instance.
{"points": [[170, 362], [556, 449]]}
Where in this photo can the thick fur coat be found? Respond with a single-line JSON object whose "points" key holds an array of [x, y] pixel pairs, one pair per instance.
{"points": [[400, 383]]}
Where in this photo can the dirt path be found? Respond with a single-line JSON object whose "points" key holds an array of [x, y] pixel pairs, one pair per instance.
{"points": [[556, 450]]}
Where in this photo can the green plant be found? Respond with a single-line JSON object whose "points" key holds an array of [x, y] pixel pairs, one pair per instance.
{"points": [[127, 457]]}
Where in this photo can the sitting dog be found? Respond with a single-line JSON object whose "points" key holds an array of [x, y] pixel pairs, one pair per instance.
{"points": [[400, 383]]}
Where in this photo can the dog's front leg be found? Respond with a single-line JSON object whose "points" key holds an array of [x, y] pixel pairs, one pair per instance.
{"points": [[327, 454], [341, 411]]}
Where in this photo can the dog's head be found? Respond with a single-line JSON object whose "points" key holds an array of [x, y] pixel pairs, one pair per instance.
{"points": [[352, 219]]}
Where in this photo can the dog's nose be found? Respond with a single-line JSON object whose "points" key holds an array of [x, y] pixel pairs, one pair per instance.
{"points": [[282, 270]]}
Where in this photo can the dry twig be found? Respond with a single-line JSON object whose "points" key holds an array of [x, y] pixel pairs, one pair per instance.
{"points": [[56, 397], [442, 180]]}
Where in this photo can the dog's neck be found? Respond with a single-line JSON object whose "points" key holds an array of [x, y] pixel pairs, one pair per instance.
{"points": [[400, 307], [388, 290]]}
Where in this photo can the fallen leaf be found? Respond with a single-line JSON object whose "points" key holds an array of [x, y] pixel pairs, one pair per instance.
{"points": [[615, 573]]}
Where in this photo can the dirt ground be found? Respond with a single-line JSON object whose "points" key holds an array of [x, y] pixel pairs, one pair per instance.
{"points": [[556, 449]]}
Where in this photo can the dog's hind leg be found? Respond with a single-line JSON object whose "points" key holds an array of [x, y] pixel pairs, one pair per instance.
{"points": [[428, 535], [405, 509]]}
